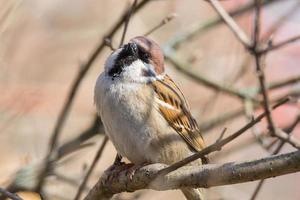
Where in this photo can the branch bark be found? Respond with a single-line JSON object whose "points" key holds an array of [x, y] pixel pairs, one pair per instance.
{"points": [[194, 176], [9, 195]]}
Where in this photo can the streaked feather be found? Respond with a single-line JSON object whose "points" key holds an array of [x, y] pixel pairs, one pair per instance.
{"points": [[175, 110]]}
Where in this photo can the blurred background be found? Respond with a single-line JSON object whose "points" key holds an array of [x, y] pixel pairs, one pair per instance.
{"points": [[44, 43]]}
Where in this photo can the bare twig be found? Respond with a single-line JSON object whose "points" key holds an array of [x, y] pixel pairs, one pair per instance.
{"points": [[275, 26], [287, 138], [279, 44], [237, 31], [97, 156], [183, 67], [96, 127], [127, 22], [220, 119], [221, 135], [284, 82], [109, 44], [276, 151], [75, 182], [257, 189], [162, 23], [259, 68], [231, 115], [9, 195], [196, 30], [194, 176], [218, 144], [229, 82]]}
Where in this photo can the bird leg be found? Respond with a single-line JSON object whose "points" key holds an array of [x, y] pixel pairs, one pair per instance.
{"points": [[117, 167], [131, 171], [118, 160]]}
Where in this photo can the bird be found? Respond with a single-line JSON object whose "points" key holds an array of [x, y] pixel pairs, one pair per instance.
{"points": [[144, 113]]}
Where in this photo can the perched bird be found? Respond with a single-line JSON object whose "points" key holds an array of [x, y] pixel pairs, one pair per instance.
{"points": [[144, 113]]}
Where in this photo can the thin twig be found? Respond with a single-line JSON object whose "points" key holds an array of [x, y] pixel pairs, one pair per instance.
{"points": [[279, 44], [199, 29], [221, 135], [259, 68], [237, 31], [275, 26], [183, 67], [75, 182], [231, 115], [275, 152], [87, 176], [9, 194], [220, 119], [219, 144], [284, 82], [166, 20], [131, 10], [257, 189], [95, 128], [287, 138], [229, 82], [109, 44]]}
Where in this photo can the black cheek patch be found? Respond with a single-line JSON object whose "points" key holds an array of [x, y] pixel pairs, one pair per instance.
{"points": [[145, 57], [124, 59]]}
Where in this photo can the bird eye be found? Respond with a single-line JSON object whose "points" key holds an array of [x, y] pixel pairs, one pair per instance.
{"points": [[144, 56]]}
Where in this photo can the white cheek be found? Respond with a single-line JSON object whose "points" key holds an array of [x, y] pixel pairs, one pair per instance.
{"points": [[135, 72]]}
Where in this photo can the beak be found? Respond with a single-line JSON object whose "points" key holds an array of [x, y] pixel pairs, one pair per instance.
{"points": [[131, 49]]}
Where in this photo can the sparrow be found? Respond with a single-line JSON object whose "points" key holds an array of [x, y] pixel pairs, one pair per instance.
{"points": [[144, 113]]}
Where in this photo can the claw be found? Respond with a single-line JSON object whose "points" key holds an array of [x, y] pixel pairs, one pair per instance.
{"points": [[118, 160], [131, 171]]}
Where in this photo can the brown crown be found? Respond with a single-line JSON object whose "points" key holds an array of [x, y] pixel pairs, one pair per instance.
{"points": [[154, 51]]}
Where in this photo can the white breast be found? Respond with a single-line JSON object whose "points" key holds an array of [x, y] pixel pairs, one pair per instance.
{"points": [[133, 123]]}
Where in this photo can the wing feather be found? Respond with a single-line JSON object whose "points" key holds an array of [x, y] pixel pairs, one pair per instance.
{"points": [[175, 110]]}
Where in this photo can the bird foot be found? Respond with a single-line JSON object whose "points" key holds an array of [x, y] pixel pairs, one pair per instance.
{"points": [[131, 171], [113, 171]]}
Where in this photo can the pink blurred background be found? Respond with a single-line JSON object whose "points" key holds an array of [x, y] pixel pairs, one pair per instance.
{"points": [[43, 43]]}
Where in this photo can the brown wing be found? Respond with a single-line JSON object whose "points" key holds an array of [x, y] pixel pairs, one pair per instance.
{"points": [[175, 110]]}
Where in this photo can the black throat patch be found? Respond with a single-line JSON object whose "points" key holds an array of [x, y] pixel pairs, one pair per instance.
{"points": [[127, 56]]}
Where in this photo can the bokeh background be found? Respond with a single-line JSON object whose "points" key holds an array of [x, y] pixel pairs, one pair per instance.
{"points": [[44, 43]]}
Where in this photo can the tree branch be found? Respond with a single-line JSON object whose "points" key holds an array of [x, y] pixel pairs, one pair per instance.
{"points": [[194, 176], [131, 9], [166, 20], [275, 152], [237, 31], [194, 31], [279, 44], [88, 174], [183, 68], [217, 146], [9, 194]]}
